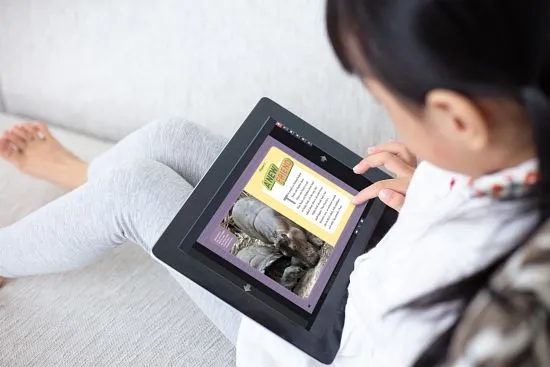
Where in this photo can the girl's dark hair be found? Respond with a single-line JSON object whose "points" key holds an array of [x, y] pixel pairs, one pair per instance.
{"points": [[479, 48]]}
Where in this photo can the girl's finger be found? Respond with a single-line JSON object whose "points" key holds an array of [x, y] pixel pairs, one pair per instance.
{"points": [[399, 185], [385, 159], [397, 148], [394, 200]]}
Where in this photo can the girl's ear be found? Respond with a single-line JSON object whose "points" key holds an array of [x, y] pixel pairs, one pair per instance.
{"points": [[458, 118]]}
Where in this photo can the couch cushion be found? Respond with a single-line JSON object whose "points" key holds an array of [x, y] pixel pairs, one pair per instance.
{"points": [[122, 311], [108, 67]]}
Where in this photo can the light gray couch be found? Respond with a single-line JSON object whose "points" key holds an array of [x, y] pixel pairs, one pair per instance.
{"points": [[97, 70]]}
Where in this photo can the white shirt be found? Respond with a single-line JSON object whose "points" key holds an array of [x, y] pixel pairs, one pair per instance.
{"points": [[442, 234]]}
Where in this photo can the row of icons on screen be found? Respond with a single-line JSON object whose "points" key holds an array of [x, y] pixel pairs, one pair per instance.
{"points": [[293, 133]]}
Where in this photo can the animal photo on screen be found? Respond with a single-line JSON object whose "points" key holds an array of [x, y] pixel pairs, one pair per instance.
{"points": [[276, 246]]}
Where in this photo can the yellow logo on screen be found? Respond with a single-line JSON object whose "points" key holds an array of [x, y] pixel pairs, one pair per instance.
{"points": [[278, 174]]}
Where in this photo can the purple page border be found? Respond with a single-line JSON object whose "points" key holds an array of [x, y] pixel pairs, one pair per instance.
{"points": [[308, 304]]}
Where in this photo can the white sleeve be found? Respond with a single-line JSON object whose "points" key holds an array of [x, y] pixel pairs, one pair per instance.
{"points": [[257, 346]]}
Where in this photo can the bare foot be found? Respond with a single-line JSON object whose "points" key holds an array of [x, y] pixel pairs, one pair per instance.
{"points": [[33, 150]]}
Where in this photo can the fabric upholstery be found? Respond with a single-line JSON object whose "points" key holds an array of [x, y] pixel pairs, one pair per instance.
{"points": [[106, 67]]}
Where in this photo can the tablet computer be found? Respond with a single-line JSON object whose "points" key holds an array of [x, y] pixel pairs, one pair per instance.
{"points": [[271, 230]]}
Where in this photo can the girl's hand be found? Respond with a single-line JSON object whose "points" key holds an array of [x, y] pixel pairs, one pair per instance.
{"points": [[397, 159]]}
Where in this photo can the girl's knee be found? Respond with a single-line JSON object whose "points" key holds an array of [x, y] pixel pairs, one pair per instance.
{"points": [[135, 174], [141, 184], [145, 196], [172, 129], [127, 180]]}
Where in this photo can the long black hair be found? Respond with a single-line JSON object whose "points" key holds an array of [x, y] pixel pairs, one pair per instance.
{"points": [[479, 48]]}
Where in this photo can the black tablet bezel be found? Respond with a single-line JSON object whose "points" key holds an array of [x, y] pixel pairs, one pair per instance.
{"points": [[314, 333]]}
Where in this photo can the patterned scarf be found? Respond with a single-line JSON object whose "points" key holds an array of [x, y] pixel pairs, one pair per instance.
{"points": [[508, 323], [509, 184]]}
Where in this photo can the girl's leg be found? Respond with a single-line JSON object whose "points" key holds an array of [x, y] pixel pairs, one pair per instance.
{"points": [[186, 148], [135, 202], [130, 197]]}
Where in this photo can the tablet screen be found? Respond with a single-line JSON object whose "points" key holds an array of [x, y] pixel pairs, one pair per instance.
{"points": [[287, 220]]}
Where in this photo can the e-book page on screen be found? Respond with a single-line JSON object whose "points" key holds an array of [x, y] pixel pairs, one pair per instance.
{"points": [[286, 222]]}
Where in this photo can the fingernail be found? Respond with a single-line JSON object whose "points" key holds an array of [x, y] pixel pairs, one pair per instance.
{"points": [[356, 168], [385, 195], [354, 200]]}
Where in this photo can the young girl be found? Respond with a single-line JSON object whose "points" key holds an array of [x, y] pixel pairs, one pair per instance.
{"points": [[467, 85]]}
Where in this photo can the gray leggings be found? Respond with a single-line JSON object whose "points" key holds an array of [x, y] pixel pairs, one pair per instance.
{"points": [[133, 192]]}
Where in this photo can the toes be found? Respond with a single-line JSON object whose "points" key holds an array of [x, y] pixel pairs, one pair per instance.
{"points": [[14, 142], [21, 134], [8, 150], [30, 131], [17, 140], [44, 132], [5, 146]]}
